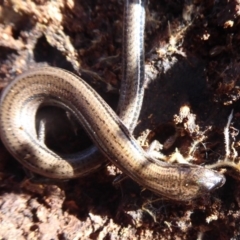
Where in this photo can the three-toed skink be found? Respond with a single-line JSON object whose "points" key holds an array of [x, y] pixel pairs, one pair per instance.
{"points": [[22, 98]]}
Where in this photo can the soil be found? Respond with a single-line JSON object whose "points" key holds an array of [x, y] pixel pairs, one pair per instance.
{"points": [[192, 63]]}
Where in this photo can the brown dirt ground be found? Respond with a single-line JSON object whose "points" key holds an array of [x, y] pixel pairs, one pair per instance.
{"points": [[192, 57]]}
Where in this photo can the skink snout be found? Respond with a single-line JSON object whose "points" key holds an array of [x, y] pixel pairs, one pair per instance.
{"points": [[212, 180]]}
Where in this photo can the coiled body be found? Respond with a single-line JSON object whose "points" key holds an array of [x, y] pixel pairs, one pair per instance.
{"points": [[112, 136], [19, 104]]}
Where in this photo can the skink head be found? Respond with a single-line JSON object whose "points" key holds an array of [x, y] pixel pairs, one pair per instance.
{"points": [[198, 181]]}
